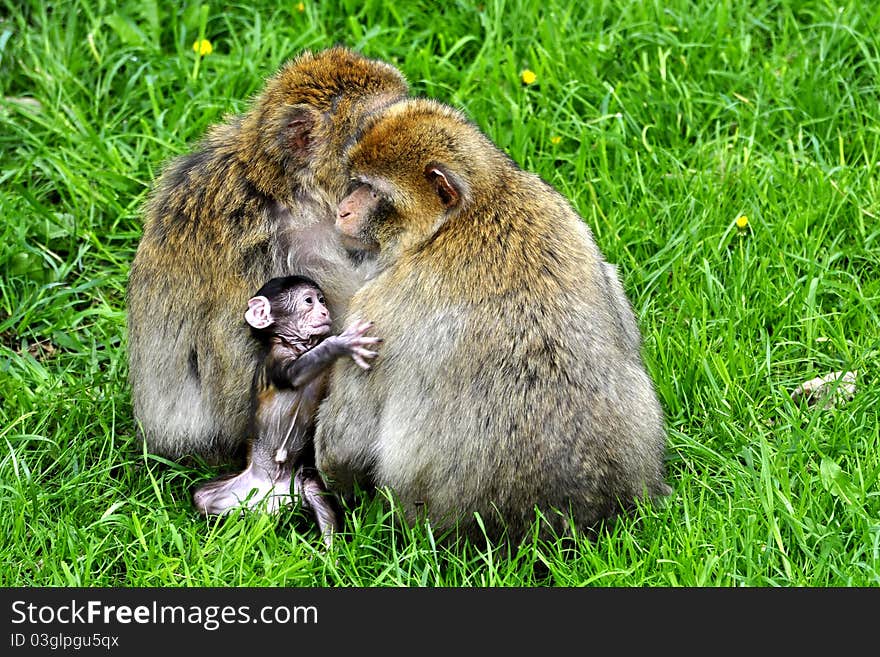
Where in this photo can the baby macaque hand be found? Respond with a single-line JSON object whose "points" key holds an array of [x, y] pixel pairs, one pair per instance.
{"points": [[354, 341]]}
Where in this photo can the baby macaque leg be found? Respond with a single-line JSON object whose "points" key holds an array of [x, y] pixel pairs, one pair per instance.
{"points": [[253, 488], [313, 494]]}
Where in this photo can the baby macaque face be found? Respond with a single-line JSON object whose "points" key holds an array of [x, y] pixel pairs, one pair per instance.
{"points": [[297, 313], [309, 310]]}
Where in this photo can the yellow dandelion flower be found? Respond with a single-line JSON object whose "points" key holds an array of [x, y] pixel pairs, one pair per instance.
{"points": [[301, 7], [555, 140], [742, 221], [528, 77], [203, 47]]}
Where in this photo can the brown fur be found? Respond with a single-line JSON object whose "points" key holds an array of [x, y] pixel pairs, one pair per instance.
{"points": [[510, 377], [253, 201]]}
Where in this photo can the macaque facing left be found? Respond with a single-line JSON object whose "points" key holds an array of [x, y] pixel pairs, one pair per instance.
{"points": [[289, 317], [511, 375]]}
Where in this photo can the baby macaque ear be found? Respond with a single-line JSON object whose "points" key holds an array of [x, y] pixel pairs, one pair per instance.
{"points": [[259, 312]]}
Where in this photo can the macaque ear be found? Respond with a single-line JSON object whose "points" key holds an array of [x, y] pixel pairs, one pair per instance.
{"points": [[298, 131], [259, 312], [442, 183]]}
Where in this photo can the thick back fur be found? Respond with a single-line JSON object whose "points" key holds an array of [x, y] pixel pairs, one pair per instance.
{"points": [[253, 201], [510, 376]]}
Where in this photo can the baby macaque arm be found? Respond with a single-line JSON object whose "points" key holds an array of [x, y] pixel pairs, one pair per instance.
{"points": [[294, 373]]}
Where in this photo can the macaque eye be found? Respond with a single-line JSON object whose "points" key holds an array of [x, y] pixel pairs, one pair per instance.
{"points": [[321, 300], [308, 300]]}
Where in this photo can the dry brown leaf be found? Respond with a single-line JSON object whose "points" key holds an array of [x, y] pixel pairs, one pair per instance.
{"points": [[832, 389], [42, 350]]}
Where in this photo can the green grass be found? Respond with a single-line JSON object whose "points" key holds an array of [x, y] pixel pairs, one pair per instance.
{"points": [[673, 118]]}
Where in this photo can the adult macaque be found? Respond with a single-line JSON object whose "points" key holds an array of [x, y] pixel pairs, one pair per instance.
{"points": [[289, 318], [255, 200], [510, 377]]}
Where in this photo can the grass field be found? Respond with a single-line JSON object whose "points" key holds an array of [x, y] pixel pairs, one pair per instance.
{"points": [[663, 122]]}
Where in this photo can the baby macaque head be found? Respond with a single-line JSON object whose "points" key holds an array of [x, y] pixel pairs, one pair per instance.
{"points": [[291, 308]]}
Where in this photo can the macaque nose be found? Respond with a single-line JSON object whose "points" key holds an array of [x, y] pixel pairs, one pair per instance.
{"points": [[342, 214]]}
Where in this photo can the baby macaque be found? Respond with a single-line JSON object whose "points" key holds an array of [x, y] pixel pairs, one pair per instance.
{"points": [[289, 317]]}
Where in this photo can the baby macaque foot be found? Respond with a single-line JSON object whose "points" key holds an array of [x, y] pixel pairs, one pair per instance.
{"points": [[247, 490]]}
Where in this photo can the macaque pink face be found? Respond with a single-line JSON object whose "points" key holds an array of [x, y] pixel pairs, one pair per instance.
{"points": [[354, 213], [308, 309]]}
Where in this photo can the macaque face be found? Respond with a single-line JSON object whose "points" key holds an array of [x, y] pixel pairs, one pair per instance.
{"points": [[360, 216], [378, 210], [297, 313], [307, 310]]}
